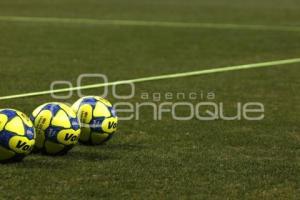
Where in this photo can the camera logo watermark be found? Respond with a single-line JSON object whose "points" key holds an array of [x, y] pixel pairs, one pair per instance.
{"points": [[181, 106]]}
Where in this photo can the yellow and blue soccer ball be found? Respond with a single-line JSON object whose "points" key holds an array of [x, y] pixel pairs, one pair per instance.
{"points": [[98, 119], [57, 128], [17, 135]]}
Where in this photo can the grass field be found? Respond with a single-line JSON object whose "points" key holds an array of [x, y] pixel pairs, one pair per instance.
{"points": [[164, 159]]}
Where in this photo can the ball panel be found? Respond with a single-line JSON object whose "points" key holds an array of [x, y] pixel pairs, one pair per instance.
{"points": [[30, 133], [10, 113], [5, 136], [52, 107], [3, 121], [68, 110], [68, 136], [85, 134], [88, 100], [38, 110], [109, 125], [25, 119], [42, 121], [53, 148], [101, 110], [96, 124], [104, 101], [16, 125], [85, 113], [75, 123], [21, 144], [112, 111], [61, 119], [99, 138], [76, 105]]}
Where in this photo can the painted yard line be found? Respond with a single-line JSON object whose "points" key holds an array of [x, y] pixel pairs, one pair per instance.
{"points": [[160, 77], [148, 23]]}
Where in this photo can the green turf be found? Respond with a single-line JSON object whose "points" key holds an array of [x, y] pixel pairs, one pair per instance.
{"points": [[164, 159]]}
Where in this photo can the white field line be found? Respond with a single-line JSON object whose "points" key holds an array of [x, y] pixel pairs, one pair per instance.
{"points": [[160, 77], [148, 23]]}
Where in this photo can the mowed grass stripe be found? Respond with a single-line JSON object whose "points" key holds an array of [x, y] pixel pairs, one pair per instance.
{"points": [[149, 23], [160, 77]]}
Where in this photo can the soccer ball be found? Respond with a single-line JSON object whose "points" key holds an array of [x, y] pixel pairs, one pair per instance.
{"points": [[17, 135], [57, 128], [98, 119]]}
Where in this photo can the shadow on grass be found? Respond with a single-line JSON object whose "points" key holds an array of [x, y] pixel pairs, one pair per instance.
{"points": [[100, 153], [37, 162]]}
